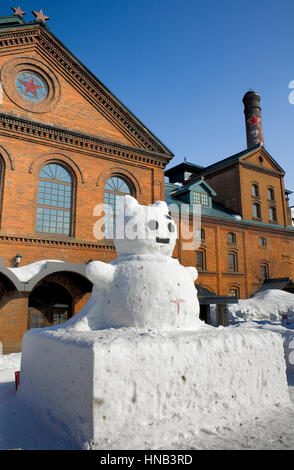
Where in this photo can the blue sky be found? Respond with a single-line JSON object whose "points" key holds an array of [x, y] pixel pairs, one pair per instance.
{"points": [[183, 66]]}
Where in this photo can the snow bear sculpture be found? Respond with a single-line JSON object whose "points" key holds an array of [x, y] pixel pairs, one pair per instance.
{"points": [[144, 287]]}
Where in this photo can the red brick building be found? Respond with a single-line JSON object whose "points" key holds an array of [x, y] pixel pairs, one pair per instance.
{"points": [[67, 144]]}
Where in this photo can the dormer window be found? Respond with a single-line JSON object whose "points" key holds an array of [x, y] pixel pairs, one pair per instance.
{"points": [[200, 198]]}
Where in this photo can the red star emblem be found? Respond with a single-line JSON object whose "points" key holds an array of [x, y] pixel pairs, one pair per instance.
{"points": [[261, 143], [254, 120], [40, 16], [31, 87], [18, 11]]}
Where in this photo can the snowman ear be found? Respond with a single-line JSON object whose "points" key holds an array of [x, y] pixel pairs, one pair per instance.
{"points": [[130, 205], [162, 205]]}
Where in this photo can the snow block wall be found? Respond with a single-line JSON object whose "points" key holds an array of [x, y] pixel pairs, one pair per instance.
{"points": [[130, 389]]}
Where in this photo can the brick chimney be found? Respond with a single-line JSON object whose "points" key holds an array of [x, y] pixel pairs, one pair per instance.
{"points": [[253, 122]]}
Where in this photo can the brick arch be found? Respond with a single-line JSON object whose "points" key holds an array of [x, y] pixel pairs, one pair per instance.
{"points": [[7, 158], [39, 162], [123, 173], [205, 286]]}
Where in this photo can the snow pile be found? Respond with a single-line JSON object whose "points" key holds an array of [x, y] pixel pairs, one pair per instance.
{"points": [[26, 273], [126, 388], [269, 305]]}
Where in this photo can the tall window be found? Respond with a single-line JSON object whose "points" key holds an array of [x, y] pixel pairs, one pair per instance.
{"points": [[200, 260], [264, 271], [54, 200], [255, 190], [231, 238], [256, 211], [232, 262], [262, 242], [271, 194], [202, 235], [115, 189], [273, 214]]}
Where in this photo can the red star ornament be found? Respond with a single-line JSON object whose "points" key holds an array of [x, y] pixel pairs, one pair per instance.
{"points": [[18, 11], [254, 120], [31, 87], [40, 16]]}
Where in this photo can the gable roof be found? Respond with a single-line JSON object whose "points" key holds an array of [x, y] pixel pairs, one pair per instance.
{"points": [[15, 31], [232, 159]]}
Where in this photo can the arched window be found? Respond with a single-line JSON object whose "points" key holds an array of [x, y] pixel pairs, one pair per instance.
{"points": [[262, 242], [256, 211], [234, 292], [54, 211], [114, 190], [273, 214], [200, 260], [232, 262], [271, 194], [255, 190], [231, 238], [264, 271]]}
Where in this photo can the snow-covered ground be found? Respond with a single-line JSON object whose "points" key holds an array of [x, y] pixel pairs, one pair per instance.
{"points": [[272, 428]]}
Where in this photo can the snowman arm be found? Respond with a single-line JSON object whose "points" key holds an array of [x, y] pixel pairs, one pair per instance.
{"points": [[101, 274], [193, 273]]}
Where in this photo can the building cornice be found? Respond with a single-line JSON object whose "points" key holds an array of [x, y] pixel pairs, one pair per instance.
{"points": [[66, 139], [57, 242]]}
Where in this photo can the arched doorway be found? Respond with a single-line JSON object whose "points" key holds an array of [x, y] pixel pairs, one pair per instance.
{"points": [[49, 304]]}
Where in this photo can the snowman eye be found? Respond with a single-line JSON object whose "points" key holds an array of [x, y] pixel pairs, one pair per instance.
{"points": [[152, 225], [171, 227]]}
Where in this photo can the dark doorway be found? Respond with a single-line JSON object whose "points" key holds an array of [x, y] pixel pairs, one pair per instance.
{"points": [[49, 304], [204, 313]]}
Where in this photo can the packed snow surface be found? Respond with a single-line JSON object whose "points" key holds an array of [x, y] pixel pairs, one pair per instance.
{"points": [[270, 428], [133, 387], [269, 305]]}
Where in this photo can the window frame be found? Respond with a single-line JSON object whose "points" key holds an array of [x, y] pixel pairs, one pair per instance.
{"points": [[256, 192], [235, 267], [60, 210], [266, 266], [256, 205], [231, 238], [203, 264], [273, 219]]}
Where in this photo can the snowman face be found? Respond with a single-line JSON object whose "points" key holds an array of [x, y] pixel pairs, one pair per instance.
{"points": [[144, 229]]}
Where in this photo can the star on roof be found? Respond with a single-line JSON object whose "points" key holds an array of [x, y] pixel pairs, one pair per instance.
{"points": [[254, 120], [40, 16], [18, 11]]}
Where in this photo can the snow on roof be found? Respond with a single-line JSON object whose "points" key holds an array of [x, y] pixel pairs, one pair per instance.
{"points": [[268, 305], [26, 273]]}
